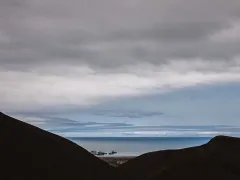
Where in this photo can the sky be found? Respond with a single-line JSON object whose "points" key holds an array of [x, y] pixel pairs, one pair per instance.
{"points": [[122, 68]]}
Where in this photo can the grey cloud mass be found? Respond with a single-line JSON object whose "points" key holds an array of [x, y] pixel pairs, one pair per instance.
{"points": [[114, 33], [79, 52]]}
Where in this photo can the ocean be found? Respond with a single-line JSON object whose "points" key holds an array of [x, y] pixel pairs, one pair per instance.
{"points": [[135, 146]]}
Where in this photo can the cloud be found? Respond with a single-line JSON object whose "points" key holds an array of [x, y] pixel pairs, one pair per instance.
{"points": [[230, 34], [85, 87], [58, 124], [78, 128], [109, 34], [128, 114], [80, 53]]}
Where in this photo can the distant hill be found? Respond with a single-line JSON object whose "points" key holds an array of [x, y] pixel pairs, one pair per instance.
{"points": [[218, 159], [27, 152]]}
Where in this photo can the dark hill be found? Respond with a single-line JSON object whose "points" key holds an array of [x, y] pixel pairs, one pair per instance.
{"points": [[218, 159], [27, 152]]}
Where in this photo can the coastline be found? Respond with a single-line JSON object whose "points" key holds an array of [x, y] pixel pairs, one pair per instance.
{"points": [[135, 146]]}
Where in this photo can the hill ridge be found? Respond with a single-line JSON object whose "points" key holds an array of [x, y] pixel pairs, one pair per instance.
{"points": [[28, 152]]}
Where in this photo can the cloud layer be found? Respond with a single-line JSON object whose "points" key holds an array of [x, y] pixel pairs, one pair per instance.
{"points": [[78, 53], [24, 91], [74, 128]]}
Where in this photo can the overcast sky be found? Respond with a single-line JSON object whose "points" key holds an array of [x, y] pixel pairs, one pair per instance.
{"points": [[98, 57]]}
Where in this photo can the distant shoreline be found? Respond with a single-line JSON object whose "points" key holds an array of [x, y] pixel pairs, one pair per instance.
{"points": [[136, 138], [135, 146]]}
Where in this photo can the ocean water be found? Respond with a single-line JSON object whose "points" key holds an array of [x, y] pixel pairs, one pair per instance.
{"points": [[135, 146]]}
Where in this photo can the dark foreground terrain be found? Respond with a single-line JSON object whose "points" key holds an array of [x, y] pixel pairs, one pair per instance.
{"points": [[27, 152], [218, 159]]}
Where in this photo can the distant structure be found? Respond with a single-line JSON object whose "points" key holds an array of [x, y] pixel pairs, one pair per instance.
{"points": [[100, 153], [112, 152]]}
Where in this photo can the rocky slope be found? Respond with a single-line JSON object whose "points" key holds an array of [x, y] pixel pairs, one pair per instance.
{"points": [[218, 159], [27, 152]]}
